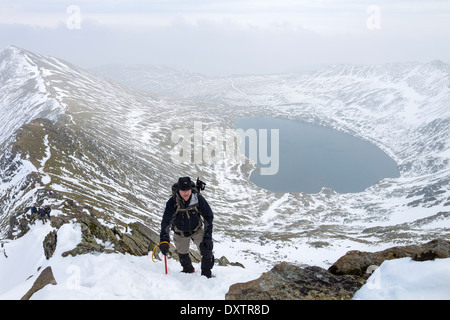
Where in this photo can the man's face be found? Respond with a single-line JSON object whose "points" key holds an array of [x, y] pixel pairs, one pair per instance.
{"points": [[185, 194]]}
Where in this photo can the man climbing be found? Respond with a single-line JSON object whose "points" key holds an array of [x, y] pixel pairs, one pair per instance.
{"points": [[43, 212], [190, 217]]}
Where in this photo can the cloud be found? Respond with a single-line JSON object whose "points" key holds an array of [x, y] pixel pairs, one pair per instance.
{"points": [[224, 37], [326, 17]]}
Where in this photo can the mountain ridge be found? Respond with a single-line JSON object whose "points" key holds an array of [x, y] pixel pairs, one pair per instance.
{"points": [[67, 128]]}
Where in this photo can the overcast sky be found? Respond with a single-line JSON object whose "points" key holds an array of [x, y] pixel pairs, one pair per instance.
{"points": [[220, 37]]}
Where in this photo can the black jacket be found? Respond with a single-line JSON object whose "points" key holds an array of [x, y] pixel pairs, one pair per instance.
{"points": [[187, 221]]}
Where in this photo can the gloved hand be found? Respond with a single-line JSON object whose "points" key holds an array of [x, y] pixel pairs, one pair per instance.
{"points": [[164, 248], [206, 246]]}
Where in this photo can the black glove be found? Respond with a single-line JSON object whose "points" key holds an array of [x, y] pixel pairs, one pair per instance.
{"points": [[206, 246], [164, 248]]}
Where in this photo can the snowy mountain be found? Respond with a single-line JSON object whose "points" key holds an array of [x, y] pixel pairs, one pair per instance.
{"points": [[109, 148], [161, 79], [402, 107], [66, 130]]}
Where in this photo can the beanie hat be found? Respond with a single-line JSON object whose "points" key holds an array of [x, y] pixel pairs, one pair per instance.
{"points": [[184, 183]]}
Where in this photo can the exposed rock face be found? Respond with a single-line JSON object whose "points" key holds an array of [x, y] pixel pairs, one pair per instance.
{"points": [[356, 262], [290, 282], [287, 281], [95, 236], [19, 225], [46, 277], [138, 239], [223, 261], [49, 244]]}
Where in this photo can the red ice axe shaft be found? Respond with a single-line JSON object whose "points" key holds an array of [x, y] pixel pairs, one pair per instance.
{"points": [[165, 259], [165, 263]]}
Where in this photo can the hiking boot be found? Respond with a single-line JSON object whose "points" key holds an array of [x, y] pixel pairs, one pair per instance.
{"points": [[186, 263], [207, 265], [189, 269], [206, 273]]}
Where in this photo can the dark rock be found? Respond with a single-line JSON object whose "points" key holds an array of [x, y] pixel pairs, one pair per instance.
{"points": [[290, 282], [58, 221], [134, 245], [223, 262], [46, 277], [49, 244], [356, 262], [18, 226], [139, 242], [425, 256], [91, 230], [143, 236]]}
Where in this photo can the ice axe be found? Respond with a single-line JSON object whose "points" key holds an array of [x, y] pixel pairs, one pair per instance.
{"points": [[165, 257], [165, 263]]}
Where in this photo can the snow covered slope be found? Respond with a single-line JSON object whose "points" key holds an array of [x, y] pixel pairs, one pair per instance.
{"points": [[405, 279], [108, 147], [163, 80], [123, 276], [66, 130], [24, 95], [103, 276]]}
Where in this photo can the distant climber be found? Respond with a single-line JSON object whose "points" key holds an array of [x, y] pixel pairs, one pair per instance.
{"points": [[189, 215], [34, 210], [44, 212]]}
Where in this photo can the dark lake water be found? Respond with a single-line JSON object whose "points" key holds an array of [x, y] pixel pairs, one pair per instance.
{"points": [[311, 157]]}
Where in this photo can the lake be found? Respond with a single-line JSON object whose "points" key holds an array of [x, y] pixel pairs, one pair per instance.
{"points": [[311, 157]]}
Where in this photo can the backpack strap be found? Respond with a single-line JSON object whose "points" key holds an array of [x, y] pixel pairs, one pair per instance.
{"points": [[187, 233], [178, 208]]}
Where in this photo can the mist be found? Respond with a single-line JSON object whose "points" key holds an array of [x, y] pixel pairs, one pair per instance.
{"points": [[234, 37]]}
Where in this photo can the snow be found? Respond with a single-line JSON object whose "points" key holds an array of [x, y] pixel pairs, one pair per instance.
{"points": [[24, 169], [34, 103], [45, 177], [123, 276], [404, 279], [104, 276], [23, 259]]}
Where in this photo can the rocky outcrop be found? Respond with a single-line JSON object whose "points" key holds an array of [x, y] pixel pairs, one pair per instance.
{"points": [[96, 237], [137, 239], [291, 282], [46, 277], [223, 262], [287, 281], [19, 225], [49, 244], [356, 262]]}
